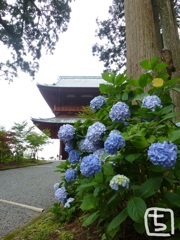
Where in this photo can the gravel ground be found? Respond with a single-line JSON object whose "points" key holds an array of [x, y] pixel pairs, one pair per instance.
{"points": [[31, 186]]}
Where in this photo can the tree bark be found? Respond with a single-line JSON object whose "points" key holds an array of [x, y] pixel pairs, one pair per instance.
{"points": [[171, 41], [141, 35]]}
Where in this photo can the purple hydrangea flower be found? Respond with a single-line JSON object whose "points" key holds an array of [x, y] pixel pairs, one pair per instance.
{"points": [[56, 186], [61, 195], [119, 180], [95, 132], [113, 143], [151, 102], [90, 165], [66, 132], [74, 156], [119, 112], [164, 154], [70, 175], [97, 102]]}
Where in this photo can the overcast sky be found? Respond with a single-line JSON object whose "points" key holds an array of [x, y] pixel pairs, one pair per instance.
{"points": [[21, 100]]}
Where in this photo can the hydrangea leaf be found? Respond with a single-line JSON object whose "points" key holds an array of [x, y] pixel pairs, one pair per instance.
{"points": [[150, 187], [145, 79], [173, 198], [108, 169], [174, 136], [89, 202], [146, 64], [161, 66], [136, 208], [109, 77], [90, 219], [116, 222], [139, 142], [132, 157]]}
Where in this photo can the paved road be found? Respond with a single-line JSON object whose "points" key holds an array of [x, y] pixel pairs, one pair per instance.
{"points": [[31, 186]]}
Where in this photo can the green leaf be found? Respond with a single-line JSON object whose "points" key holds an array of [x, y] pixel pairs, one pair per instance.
{"points": [[175, 135], [105, 88], [140, 97], [99, 177], [132, 157], [173, 198], [90, 219], [167, 109], [176, 89], [139, 142], [108, 169], [109, 77], [145, 79], [120, 79], [136, 208], [89, 202], [161, 66], [112, 198], [139, 227], [146, 64], [116, 222], [133, 82], [154, 62], [171, 82], [163, 75], [150, 187]]}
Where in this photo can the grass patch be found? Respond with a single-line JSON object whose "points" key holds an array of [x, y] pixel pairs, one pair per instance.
{"points": [[47, 227], [21, 163]]}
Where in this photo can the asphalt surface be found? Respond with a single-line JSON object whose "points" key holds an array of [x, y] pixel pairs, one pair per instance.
{"points": [[31, 186]]}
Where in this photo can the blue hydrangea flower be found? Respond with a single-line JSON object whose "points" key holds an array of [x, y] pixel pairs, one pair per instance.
{"points": [[67, 204], [56, 186], [119, 180], [61, 195], [74, 156], [101, 154], [95, 132], [151, 102], [97, 102], [87, 146], [164, 154], [68, 146], [66, 132], [119, 112], [178, 124], [114, 132], [70, 175], [113, 143], [90, 165]]}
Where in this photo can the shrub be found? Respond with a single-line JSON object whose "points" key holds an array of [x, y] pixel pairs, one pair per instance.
{"points": [[134, 162]]}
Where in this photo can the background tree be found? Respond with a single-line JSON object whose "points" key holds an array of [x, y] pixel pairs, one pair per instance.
{"points": [[111, 46], [36, 141], [21, 130], [26, 28], [6, 144]]}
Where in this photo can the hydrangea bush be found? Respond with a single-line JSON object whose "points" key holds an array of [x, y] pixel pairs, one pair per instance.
{"points": [[124, 158]]}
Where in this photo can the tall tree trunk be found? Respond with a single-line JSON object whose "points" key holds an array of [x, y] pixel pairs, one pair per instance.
{"points": [[171, 40], [141, 34]]}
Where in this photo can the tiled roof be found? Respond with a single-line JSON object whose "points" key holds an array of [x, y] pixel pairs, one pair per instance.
{"points": [[56, 120], [77, 81]]}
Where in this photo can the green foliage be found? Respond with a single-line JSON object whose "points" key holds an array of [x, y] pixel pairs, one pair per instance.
{"points": [[28, 28], [118, 212]]}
